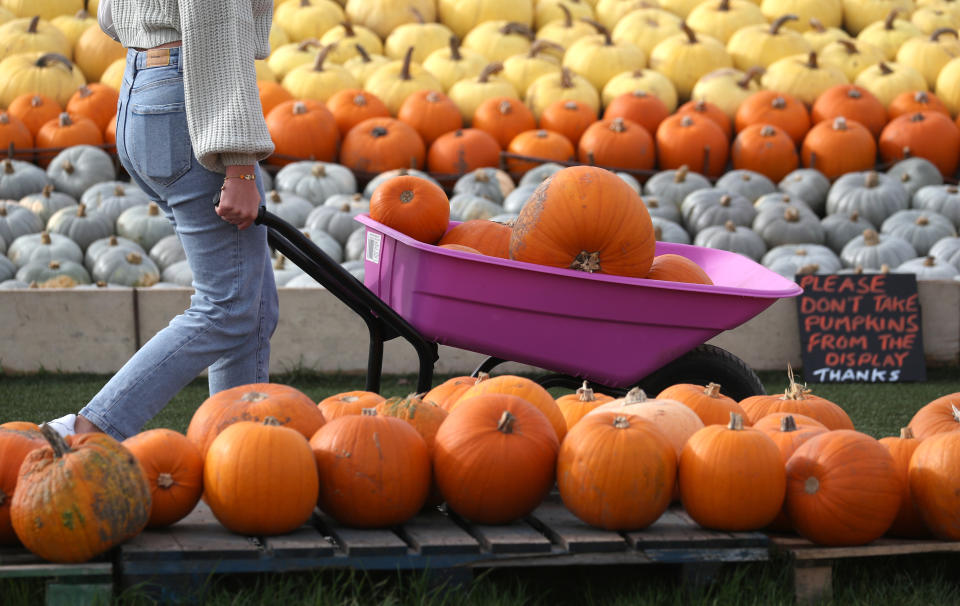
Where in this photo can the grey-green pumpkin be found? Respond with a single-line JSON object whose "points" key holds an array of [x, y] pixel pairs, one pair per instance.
{"points": [[782, 201], [46, 202], [705, 207], [518, 198], [104, 245], [289, 206], [356, 268], [483, 182], [666, 230], [928, 268], [115, 201], [167, 251], [841, 228], [325, 242], [749, 184], [54, 274], [915, 173], [355, 245], [874, 195], [794, 225], [284, 270], [19, 179], [631, 181], [872, 250], [178, 273], [947, 249], [464, 207], [44, 247], [809, 185], [315, 181], [145, 225], [80, 224], [107, 188], [78, 167], [921, 228], [789, 260], [674, 185], [944, 199], [16, 221], [734, 238], [339, 222], [7, 269], [126, 268], [658, 208], [536, 175]]}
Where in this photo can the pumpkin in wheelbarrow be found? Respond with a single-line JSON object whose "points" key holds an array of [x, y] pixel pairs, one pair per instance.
{"points": [[588, 219]]}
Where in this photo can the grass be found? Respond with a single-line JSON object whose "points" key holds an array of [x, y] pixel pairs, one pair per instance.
{"points": [[876, 409]]}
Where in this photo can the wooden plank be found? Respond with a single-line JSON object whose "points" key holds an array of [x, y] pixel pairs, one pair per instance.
{"points": [[803, 549], [516, 537], [673, 530], [431, 532], [199, 535], [812, 584], [304, 542], [46, 569], [362, 541], [575, 536]]}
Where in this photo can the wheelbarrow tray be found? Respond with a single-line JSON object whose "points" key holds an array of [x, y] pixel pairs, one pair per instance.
{"points": [[613, 330]]}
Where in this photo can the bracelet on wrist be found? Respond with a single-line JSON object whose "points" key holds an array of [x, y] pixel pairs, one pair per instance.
{"points": [[245, 177]]}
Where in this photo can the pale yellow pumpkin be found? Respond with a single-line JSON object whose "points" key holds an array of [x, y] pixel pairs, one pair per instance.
{"points": [[277, 37], [294, 54], [598, 58], [454, 63], [851, 56], [463, 15], [647, 27], [545, 11], [365, 64], [888, 79], [819, 35], [522, 70], [727, 88], [610, 12], [555, 87], [947, 88], [802, 76], [929, 19], [827, 12], [6, 15], [383, 16], [113, 75], [259, 65], [348, 36], [645, 80], [761, 45], [928, 54], [393, 82], [305, 19], [497, 40], [74, 24], [423, 37], [681, 8], [858, 14], [95, 51], [721, 18], [686, 57], [45, 9], [319, 80], [470, 93], [564, 32], [32, 34], [888, 35], [44, 73]]}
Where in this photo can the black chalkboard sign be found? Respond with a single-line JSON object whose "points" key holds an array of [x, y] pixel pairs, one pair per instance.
{"points": [[860, 328]]}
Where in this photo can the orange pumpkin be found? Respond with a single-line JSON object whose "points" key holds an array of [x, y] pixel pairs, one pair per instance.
{"points": [[908, 522], [65, 131], [644, 108], [929, 135], [521, 387], [253, 402], [788, 437], [446, 394], [461, 248], [731, 477], [588, 219], [708, 110], [938, 416], [617, 143], [462, 151], [766, 149], [677, 268], [691, 140], [374, 470], [377, 145], [913, 101], [423, 415], [413, 206], [773, 420], [539, 143], [95, 101], [352, 106], [15, 445], [711, 406], [934, 484], [487, 237], [430, 113], [303, 129], [504, 118], [776, 108], [568, 117], [575, 406], [15, 135], [174, 470], [597, 456], [260, 478], [797, 399], [34, 110], [842, 489], [20, 426], [348, 403], [77, 498], [110, 133], [853, 102], [495, 458], [839, 146], [271, 95]]}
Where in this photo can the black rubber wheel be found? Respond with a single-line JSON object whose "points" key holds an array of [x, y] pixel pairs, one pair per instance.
{"points": [[705, 364]]}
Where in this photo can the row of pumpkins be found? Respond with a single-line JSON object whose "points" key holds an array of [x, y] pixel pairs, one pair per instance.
{"points": [[491, 449]]}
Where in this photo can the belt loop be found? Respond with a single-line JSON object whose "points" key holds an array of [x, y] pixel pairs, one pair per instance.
{"points": [[180, 59]]}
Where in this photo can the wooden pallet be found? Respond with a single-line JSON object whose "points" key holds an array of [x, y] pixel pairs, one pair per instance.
{"points": [[813, 564], [66, 584]]}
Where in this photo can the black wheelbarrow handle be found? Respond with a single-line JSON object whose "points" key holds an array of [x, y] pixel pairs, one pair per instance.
{"points": [[383, 323]]}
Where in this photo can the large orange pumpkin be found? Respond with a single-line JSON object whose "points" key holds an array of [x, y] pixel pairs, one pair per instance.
{"points": [[34, 110], [374, 470], [352, 106], [521, 387], [260, 478], [646, 109], [839, 146], [15, 445], [588, 219], [842, 489], [575, 406], [772, 421], [431, 114], [413, 206], [253, 402], [788, 437], [852, 101], [616, 471], [935, 484], [377, 145], [348, 403], [303, 129], [495, 458], [913, 101], [271, 95], [766, 149], [930, 135], [488, 237], [95, 101], [711, 111], [796, 398], [617, 143], [64, 131], [462, 151], [938, 416], [909, 522], [773, 107], [692, 140], [677, 268], [77, 498], [731, 477], [711, 406], [568, 117], [174, 469]]}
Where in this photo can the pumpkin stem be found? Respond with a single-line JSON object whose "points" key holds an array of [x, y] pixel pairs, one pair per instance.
{"points": [[621, 422], [730, 226], [725, 200], [680, 175], [270, 420], [505, 424], [849, 46], [56, 441], [618, 126], [712, 390], [691, 35], [891, 17], [521, 29], [788, 423], [165, 480], [322, 56], [658, 233], [348, 31], [736, 422], [817, 25], [586, 261], [489, 70], [566, 78], [318, 170], [32, 27], [635, 396], [811, 486], [906, 433], [871, 179], [417, 15], [935, 35], [885, 69], [253, 396], [153, 210], [364, 55], [405, 70], [780, 21], [749, 75], [455, 49], [45, 237], [585, 394], [956, 413], [812, 60], [541, 45], [406, 196], [791, 214], [603, 31], [567, 15], [134, 258], [81, 210]]}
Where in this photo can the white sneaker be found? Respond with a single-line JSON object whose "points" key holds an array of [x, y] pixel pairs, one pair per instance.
{"points": [[64, 425]]}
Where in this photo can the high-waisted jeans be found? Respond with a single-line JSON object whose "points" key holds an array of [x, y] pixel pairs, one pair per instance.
{"points": [[233, 311]]}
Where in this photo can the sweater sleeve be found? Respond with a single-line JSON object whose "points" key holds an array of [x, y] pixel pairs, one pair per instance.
{"points": [[224, 115]]}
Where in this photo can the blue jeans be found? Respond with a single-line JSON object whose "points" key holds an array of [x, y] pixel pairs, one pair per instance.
{"points": [[233, 311]]}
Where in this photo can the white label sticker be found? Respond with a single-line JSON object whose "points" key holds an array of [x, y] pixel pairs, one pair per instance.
{"points": [[373, 246]]}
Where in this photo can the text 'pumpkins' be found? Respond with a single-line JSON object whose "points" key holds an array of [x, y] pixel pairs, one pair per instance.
{"points": [[588, 219]]}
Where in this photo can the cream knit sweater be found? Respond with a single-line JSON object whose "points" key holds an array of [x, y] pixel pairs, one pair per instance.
{"points": [[221, 39]]}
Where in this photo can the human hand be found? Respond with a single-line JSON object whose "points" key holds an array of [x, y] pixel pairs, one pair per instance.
{"points": [[239, 202]]}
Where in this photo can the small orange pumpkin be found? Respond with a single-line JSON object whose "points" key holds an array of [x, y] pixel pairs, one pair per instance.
{"points": [[413, 206], [352, 106], [788, 437], [95, 101], [839, 146], [15, 134], [708, 110], [937, 416], [462, 151], [486, 237], [446, 394], [64, 131], [711, 406], [174, 470], [377, 145], [15, 444], [646, 109], [568, 117], [773, 107], [691, 140], [929, 135], [348, 403], [934, 484], [766, 149], [575, 406], [504, 118], [34, 110], [913, 101], [909, 522], [271, 95], [302, 129], [799, 400], [540, 143], [430, 113], [677, 268], [853, 102], [617, 143], [522, 387]]}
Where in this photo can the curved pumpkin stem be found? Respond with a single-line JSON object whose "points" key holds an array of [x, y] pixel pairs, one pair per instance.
{"points": [[541, 45], [788, 423], [364, 55], [455, 49], [891, 17], [680, 175], [601, 29], [691, 35], [935, 35], [322, 56], [489, 70], [505, 424], [906, 433], [567, 15], [405, 70], [56, 441], [780, 21], [736, 421]]}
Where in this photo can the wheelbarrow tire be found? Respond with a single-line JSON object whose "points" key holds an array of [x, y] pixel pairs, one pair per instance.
{"points": [[705, 364]]}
